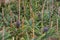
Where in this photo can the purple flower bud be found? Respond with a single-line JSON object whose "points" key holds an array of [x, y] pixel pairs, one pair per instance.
{"points": [[45, 29], [17, 24], [39, 16]]}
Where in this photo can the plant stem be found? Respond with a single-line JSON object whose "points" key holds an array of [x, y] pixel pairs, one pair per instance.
{"points": [[42, 17], [23, 18], [32, 18], [12, 38], [3, 21], [57, 25], [19, 10], [11, 18]]}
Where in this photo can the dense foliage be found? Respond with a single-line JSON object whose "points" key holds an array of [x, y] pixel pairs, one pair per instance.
{"points": [[30, 20]]}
